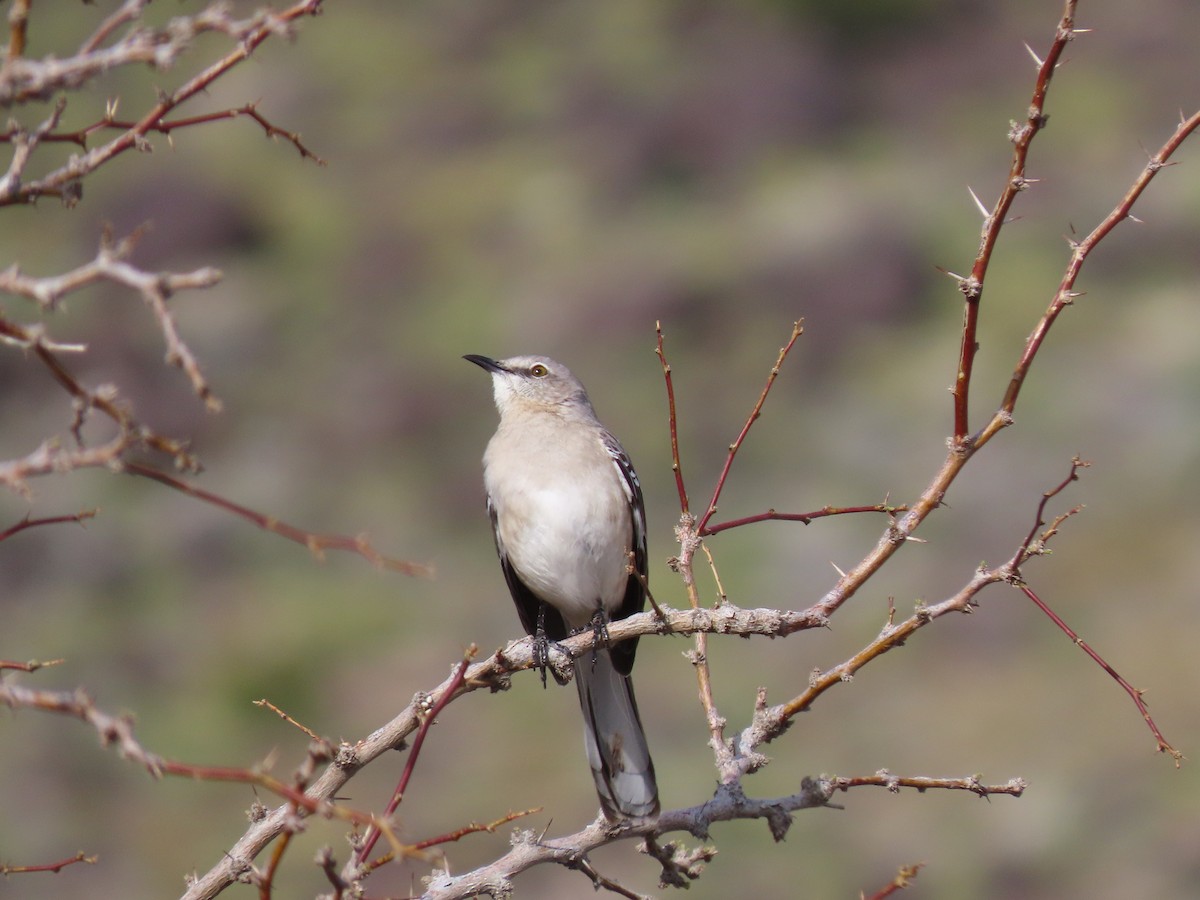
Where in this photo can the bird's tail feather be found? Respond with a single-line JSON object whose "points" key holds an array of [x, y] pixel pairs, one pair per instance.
{"points": [[615, 742]]}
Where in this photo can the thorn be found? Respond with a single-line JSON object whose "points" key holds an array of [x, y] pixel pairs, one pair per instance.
{"points": [[979, 203], [1131, 217], [959, 278], [1037, 59], [836, 569]]}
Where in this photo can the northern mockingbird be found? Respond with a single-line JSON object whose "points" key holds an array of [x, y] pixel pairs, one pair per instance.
{"points": [[568, 518]]}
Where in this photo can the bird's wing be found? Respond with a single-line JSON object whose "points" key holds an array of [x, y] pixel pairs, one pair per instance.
{"points": [[526, 601], [635, 590]]}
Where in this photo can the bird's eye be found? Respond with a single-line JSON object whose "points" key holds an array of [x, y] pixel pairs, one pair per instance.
{"points": [[537, 370]]}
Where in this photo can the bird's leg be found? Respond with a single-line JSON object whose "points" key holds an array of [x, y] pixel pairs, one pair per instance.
{"points": [[599, 627], [541, 648]]}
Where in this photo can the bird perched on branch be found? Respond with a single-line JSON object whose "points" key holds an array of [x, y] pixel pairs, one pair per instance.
{"points": [[570, 528]]}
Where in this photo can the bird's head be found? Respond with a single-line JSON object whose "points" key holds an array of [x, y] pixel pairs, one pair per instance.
{"points": [[534, 384]]}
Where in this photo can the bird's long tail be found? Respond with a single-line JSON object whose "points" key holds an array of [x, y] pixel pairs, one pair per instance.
{"points": [[614, 739]]}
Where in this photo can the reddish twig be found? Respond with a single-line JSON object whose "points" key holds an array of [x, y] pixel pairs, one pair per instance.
{"points": [[266, 881], [961, 451], [118, 731], [474, 828], [80, 136], [316, 543], [1134, 693], [896, 634], [1032, 544], [435, 707], [55, 867], [671, 420], [972, 286], [797, 330], [27, 522], [1066, 293], [31, 665], [904, 879], [773, 516]]}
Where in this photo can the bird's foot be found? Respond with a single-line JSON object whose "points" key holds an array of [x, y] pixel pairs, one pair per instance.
{"points": [[541, 651], [599, 629]]}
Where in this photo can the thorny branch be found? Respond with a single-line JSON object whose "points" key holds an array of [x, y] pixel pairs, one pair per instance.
{"points": [[23, 80], [797, 330], [972, 286], [735, 757], [317, 543], [156, 288], [364, 852], [961, 451], [29, 522], [80, 857], [167, 127]]}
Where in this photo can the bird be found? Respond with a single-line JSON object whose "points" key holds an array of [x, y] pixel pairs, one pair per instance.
{"points": [[569, 524]]}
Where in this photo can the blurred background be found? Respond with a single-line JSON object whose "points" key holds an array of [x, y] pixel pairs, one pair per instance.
{"points": [[512, 177]]}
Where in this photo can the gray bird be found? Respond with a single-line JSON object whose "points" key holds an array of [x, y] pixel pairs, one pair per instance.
{"points": [[567, 512]]}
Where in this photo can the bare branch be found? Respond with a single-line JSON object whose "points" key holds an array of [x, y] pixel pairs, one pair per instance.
{"points": [[1134, 694], [672, 421], [28, 522], [55, 867], [22, 81], [155, 288], [797, 330], [904, 877], [972, 287], [316, 543]]}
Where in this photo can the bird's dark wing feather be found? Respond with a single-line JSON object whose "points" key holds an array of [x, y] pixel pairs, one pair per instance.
{"points": [[635, 591], [526, 602]]}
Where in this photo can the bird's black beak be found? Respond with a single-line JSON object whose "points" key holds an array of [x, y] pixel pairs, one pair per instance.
{"points": [[485, 362]]}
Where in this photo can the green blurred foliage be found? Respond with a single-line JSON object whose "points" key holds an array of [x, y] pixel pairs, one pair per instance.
{"points": [[555, 177]]}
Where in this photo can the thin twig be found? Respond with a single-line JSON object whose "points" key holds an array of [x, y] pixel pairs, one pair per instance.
{"points": [[80, 136], [31, 665], [904, 879], [797, 330], [28, 522], [895, 634], [961, 451], [55, 867], [772, 515], [427, 720], [264, 702], [1066, 293], [972, 286], [672, 422], [316, 543], [1134, 694]]}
